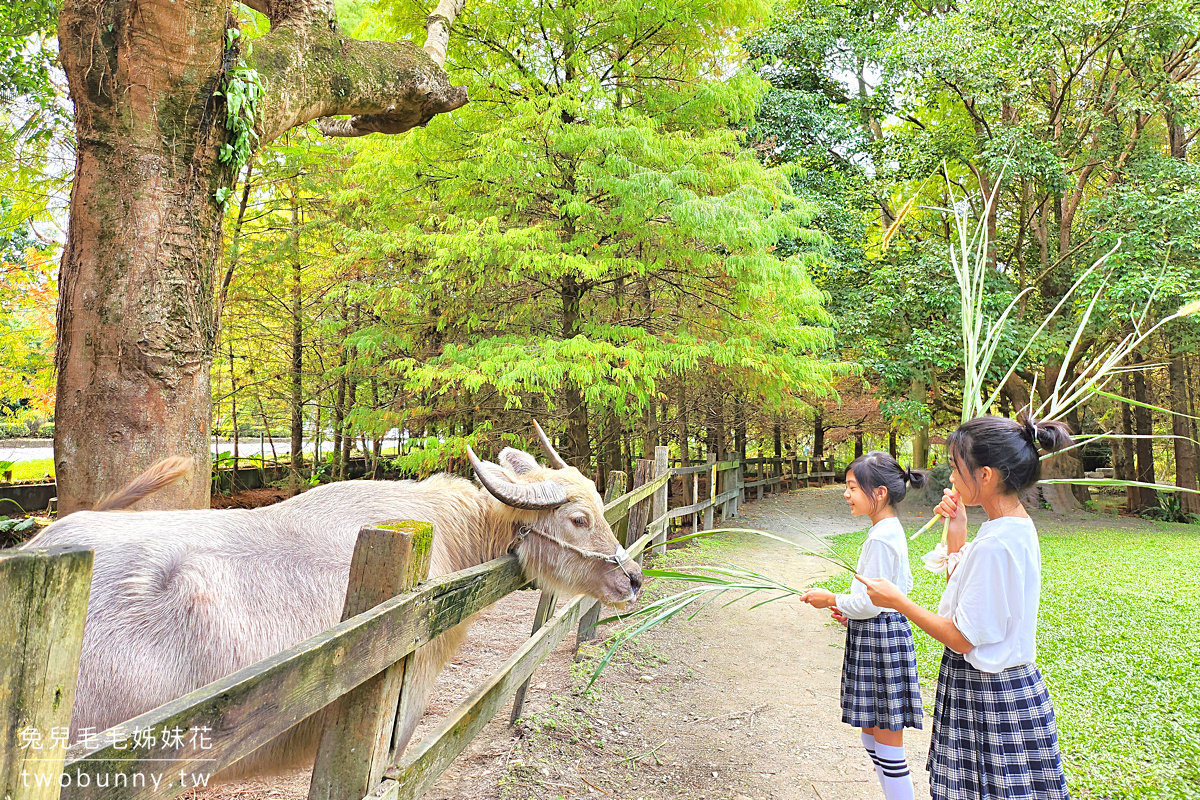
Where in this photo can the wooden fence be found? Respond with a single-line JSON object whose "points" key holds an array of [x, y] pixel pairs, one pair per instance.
{"points": [[355, 673]]}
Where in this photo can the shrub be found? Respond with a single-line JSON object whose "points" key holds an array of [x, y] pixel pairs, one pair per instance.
{"points": [[939, 480], [46, 430], [13, 430]]}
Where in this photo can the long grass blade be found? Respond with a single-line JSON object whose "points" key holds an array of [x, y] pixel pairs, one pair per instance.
{"points": [[1080, 441], [1162, 487], [826, 553], [1131, 402]]}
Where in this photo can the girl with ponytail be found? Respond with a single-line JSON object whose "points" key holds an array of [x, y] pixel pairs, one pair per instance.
{"points": [[880, 690], [994, 734]]}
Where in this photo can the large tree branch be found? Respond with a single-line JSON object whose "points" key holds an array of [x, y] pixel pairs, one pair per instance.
{"points": [[437, 28], [312, 71]]}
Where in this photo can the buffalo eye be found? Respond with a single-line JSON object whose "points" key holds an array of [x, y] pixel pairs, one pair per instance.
{"points": [[580, 521]]}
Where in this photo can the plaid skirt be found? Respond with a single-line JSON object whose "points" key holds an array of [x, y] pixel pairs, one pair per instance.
{"points": [[880, 688], [994, 736]]}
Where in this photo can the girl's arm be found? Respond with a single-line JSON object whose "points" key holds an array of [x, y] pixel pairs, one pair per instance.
{"points": [[886, 594], [875, 558]]}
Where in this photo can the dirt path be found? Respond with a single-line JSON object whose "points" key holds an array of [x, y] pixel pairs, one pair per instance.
{"points": [[732, 705]]}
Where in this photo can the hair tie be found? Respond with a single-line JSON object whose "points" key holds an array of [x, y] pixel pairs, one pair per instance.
{"points": [[1029, 429]]}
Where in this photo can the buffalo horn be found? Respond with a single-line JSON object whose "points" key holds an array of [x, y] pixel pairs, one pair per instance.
{"points": [[551, 453], [534, 496]]}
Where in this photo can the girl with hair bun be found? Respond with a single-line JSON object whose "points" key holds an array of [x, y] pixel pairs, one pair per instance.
{"points": [[880, 690], [994, 734]]}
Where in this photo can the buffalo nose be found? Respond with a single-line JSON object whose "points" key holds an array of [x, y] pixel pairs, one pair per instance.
{"points": [[635, 582]]}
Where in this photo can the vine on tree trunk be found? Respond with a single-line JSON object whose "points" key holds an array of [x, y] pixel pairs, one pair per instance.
{"points": [[242, 91]]}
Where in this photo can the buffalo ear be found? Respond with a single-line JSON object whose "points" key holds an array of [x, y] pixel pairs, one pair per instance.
{"points": [[535, 496], [520, 462]]}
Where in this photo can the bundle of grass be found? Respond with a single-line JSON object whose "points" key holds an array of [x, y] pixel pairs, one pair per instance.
{"points": [[713, 582], [981, 339]]}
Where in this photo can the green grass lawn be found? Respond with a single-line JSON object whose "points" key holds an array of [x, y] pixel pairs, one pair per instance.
{"points": [[1118, 644], [33, 470]]}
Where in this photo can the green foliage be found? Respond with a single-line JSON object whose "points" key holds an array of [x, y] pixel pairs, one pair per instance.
{"points": [[26, 51], [1170, 509], [242, 91], [591, 223], [875, 97], [36, 470], [13, 430], [14, 530], [28, 297]]}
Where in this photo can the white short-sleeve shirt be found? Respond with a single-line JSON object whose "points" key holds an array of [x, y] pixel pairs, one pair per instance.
{"points": [[884, 555], [993, 594]]}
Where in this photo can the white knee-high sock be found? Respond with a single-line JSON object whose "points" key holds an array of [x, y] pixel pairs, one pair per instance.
{"points": [[869, 745], [893, 772]]}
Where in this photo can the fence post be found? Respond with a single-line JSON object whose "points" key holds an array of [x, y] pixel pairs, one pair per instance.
{"points": [[734, 477], [712, 492], [760, 474], [720, 479], [390, 558], [660, 499], [43, 606], [546, 603], [639, 515], [587, 622]]}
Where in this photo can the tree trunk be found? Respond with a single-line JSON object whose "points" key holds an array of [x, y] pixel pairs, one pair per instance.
{"points": [[685, 456], [233, 390], [1185, 450], [893, 449], [136, 321], [1074, 458], [1144, 425], [614, 433], [262, 413], [1191, 406], [818, 436], [297, 361], [719, 421], [920, 446], [653, 436], [135, 311], [579, 446], [339, 417], [348, 430], [739, 433], [1133, 496], [1185, 453], [317, 437], [858, 444]]}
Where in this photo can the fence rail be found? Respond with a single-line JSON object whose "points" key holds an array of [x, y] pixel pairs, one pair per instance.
{"points": [[354, 671]]}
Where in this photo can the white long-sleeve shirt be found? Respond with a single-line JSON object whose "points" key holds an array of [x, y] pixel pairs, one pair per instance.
{"points": [[993, 594], [884, 555]]}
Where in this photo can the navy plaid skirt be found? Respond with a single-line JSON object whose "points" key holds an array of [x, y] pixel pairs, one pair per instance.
{"points": [[994, 736], [880, 688]]}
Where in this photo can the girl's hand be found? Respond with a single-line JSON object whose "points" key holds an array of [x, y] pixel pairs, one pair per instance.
{"points": [[819, 598], [840, 617], [882, 592], [952, 508]]}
